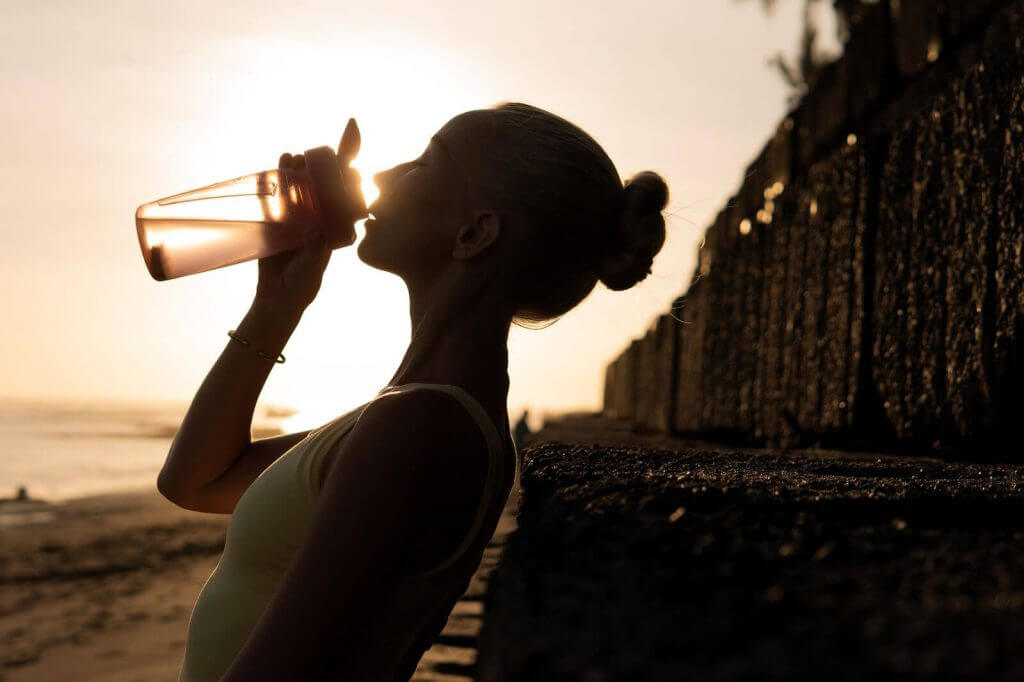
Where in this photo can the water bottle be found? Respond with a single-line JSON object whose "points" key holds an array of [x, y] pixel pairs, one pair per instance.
{"points": [[253, 216]]}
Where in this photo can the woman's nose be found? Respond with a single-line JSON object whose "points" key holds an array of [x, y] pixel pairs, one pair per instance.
{"points": [[385, 176], [379, 178]]}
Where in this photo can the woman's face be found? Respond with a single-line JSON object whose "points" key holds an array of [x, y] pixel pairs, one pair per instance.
{"points": [[421, 206]]}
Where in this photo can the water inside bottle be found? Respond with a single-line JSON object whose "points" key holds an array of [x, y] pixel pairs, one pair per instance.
{"points": [[226, 223]]}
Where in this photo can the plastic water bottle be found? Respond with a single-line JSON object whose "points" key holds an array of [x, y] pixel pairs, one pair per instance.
{"points": [[253, 216]]}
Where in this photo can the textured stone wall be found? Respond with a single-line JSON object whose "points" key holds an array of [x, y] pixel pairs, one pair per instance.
{"points": [[864, 287]]}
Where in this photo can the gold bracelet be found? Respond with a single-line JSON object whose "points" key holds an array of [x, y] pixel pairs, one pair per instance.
{"points": [[279, 359]]}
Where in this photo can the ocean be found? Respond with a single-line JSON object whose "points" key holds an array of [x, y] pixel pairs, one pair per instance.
{"points": [[60, 450]]}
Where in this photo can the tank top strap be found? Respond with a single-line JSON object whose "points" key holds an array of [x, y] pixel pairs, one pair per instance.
{"points": [[495, 466], [312, 458]]}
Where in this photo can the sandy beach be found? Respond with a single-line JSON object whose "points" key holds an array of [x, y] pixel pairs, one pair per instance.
{"points": [[101, 588]]}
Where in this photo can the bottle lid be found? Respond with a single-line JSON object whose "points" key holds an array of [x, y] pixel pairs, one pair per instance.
{"points": [[338, 205]]}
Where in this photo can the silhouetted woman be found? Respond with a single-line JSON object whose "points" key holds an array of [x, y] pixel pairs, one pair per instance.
{"points": [[349, 544]]}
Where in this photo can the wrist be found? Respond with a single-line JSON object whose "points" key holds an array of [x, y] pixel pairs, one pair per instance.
{"points": [[268, 326], [275, 312]]}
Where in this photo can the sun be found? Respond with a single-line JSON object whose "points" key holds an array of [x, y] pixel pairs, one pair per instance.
{"points": [[278, 94], [263, 97]]}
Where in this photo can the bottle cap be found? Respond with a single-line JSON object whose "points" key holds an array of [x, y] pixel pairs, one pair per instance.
{"points": [[337, 204]]}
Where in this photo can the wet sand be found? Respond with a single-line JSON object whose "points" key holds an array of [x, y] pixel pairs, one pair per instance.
{"points": [[101, 588]]}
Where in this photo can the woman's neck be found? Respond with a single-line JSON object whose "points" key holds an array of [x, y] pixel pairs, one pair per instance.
{"points": [[463, 344]]}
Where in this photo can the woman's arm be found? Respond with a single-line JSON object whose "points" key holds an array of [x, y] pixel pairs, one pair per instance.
{"points": [[217, 427], [216, 430]]}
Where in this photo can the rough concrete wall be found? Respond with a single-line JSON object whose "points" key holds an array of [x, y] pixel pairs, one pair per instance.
{"points": [[609, 388], [624, 402], [647, 380], [666, 364], [692, 316], [864, 286]]}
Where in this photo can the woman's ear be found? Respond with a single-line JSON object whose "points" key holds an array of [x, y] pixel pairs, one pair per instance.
{"points": [[477, 234]]}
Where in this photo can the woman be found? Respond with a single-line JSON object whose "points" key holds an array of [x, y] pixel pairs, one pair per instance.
{"points": [[350, 544]]}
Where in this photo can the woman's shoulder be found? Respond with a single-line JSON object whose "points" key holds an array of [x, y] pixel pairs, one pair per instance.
{"points": [[481, 428], [437, 416], [435, 412]]}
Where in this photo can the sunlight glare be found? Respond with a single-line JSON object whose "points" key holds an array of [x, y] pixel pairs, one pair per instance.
{"points": [[258, 105], [389, 83]]}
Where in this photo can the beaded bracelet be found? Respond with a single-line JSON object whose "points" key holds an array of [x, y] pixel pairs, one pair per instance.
{"points": [[279, 359]]}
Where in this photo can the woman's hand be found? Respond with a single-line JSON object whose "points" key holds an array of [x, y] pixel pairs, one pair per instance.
{"points": [[291, 280]]}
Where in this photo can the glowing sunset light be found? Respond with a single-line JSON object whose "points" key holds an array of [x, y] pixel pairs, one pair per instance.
{"points": [[311, 110], [122, 108]]}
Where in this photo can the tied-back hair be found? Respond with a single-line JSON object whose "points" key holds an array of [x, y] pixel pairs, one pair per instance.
{"points": [[580, 223]]}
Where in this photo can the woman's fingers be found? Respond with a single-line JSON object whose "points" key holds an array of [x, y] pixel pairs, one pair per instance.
{"points": [[350, 142], [289, 161], [353, 183], [351, 177], [348, 148]]}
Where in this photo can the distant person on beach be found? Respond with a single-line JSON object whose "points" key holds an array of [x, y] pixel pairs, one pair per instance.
{"points": [[349, 545], [521, 430]]}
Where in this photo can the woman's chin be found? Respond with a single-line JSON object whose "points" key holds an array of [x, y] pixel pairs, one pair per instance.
{"points": [[366, 253]]}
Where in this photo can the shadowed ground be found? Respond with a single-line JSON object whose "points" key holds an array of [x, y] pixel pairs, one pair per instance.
{"points": [[648, 558]]}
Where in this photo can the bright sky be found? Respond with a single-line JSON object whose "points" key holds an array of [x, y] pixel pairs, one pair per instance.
{"points": [[108, 105]]}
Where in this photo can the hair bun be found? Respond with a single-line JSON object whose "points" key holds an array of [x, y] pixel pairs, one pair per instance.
{"points": [[645, 192], [639, 233]]}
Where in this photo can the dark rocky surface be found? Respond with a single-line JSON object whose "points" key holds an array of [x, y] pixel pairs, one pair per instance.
{"points": [[651, 558]]}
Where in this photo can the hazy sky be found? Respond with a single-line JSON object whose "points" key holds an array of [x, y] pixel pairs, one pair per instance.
{"points": [[108, 105]]}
